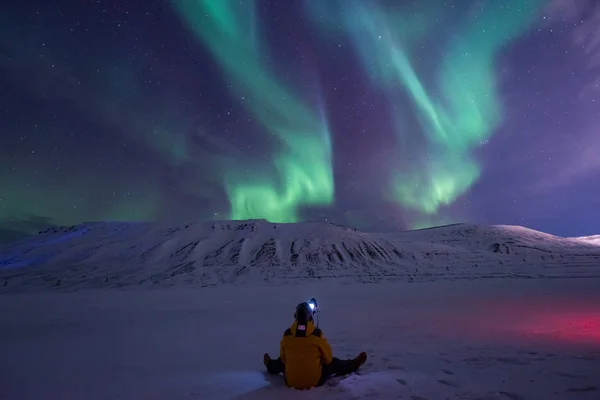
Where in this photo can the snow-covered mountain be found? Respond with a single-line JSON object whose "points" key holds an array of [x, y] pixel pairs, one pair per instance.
{"points": [[116, 254]]}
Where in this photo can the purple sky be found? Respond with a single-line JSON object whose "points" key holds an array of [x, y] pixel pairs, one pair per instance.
{"points": [[118, 110]]}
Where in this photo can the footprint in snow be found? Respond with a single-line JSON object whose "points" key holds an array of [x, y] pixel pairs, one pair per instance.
{"points": [[509, 360], [371, 394], [585, 358], [530, 353], [396, 368], [512, 396], [402, 381], [447, 372], [447, 383], [583, 389], [568, 375]]}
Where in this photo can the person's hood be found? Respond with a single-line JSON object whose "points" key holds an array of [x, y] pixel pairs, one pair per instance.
{"points": [[309, 327]]}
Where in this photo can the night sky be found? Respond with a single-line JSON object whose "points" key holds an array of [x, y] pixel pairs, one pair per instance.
{"points": [[379, 115]]}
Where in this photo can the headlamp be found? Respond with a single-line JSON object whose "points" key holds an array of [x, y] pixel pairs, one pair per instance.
{"points": [[312, 303]]}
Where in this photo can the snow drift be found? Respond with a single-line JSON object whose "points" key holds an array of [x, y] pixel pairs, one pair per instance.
{"points": [[116, 254]]}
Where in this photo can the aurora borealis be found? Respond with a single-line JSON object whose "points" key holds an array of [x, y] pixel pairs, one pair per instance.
{"points": [[302, 173], [379, 115]]}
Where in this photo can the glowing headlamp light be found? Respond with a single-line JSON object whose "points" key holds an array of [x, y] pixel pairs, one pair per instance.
{"points": [[312, 303]]}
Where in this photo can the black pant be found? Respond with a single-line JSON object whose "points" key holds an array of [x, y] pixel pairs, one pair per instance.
{"points": [[337, 367]]}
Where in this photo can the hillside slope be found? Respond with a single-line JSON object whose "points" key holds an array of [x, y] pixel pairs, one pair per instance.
{"points": [[115, 254]]}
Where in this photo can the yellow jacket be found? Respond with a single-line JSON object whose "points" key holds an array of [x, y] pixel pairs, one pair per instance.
{"points": [[304, 351]]}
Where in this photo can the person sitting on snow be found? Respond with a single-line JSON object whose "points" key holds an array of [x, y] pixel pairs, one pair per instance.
{"points": [[306, 359]]}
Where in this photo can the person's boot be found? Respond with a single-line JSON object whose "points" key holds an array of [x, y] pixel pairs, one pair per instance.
{"points": [[266, 359], [359, 361]]}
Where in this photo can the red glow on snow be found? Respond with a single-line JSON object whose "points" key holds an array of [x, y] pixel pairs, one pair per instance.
{"points": [[568, 327], [525, 319]]}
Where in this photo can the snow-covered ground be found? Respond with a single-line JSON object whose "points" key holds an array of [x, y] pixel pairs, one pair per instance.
{"points": [[480, 339], [142, 311]]}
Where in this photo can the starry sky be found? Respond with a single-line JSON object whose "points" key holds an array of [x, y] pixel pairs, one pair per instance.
{"points": [[381, 115]]}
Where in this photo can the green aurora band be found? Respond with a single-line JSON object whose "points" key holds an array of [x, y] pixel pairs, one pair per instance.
{"points": [[303, 163], [70, 195], [460, 111]]}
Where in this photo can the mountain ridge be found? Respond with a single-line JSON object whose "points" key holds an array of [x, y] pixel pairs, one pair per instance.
{"points": [[207, 253]]}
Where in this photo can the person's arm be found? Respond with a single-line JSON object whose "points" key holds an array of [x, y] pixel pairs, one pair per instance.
{"points": [[325, 348], [282, 350]]}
